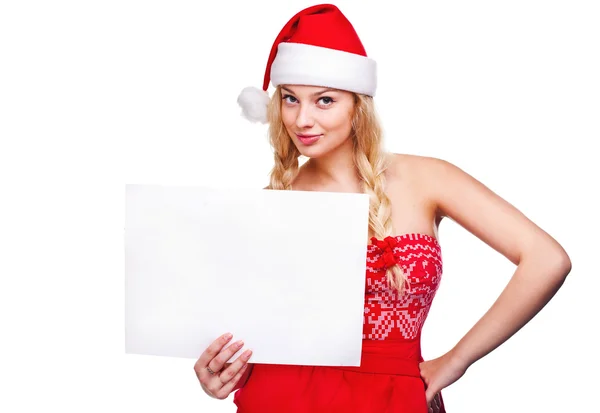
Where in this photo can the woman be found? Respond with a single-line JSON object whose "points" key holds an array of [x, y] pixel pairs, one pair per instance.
{"points": [[323, 109]]}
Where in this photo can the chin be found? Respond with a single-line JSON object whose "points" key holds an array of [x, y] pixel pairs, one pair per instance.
{"points": [[313, 151]]}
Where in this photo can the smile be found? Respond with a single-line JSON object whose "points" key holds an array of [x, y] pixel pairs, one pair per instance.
{"points": [[308, 139]]}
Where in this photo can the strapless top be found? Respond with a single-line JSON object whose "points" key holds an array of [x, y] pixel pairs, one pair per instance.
{"points": [[389, 316]]}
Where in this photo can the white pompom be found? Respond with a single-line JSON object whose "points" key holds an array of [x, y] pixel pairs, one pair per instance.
{"points": [[254, 102]]}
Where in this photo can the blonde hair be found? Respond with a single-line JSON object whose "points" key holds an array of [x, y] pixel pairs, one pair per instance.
{"points": [[369, 158]]}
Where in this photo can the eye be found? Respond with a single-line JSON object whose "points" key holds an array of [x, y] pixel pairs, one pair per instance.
{"points": [[289, 99], [326, 101]]}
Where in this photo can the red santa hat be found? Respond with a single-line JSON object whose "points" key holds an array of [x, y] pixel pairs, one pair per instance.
{"points": [[317, 47]]}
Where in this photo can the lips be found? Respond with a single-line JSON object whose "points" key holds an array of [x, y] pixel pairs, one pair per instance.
{"points": [[308, 139]]}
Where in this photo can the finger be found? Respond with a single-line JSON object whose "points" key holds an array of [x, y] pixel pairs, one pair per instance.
{"points": [[429, 394], [207, 355], [228, 388], [436, 403], [230, 372], [219, 361], [213, 349], [216, 382], [214, 385]]}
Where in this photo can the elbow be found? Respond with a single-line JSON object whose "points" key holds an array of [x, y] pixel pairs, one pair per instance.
{"points": [[548, 266], [553, 262], [555, 258], [564, 264], [559, 265], [561, 269]]}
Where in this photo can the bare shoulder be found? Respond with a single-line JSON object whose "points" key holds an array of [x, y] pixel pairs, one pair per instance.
{"points": [[413, 160], [413, 170], [459, 196], [407, 177]]}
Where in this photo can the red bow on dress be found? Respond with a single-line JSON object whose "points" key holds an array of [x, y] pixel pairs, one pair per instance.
{"points": [[386, 246]]}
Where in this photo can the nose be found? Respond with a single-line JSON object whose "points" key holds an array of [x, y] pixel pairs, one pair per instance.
{"points": [[305, 118]]}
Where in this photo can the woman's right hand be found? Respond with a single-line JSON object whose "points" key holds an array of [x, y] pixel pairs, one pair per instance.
{"points": [[217, 377]]}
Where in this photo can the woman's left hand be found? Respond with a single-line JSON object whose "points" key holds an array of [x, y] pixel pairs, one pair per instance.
{"points": [[441, 372]]}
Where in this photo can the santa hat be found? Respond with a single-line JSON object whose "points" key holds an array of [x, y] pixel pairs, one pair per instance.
{"points": [[317, 47]]}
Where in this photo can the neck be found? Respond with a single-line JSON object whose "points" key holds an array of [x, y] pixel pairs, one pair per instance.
{"points": [[337, 167]]}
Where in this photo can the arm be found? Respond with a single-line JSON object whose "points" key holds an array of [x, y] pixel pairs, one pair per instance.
{"points": [[542, 264]]}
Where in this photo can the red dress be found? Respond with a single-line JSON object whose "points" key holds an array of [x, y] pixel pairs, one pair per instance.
{"points": [[388, 379]]}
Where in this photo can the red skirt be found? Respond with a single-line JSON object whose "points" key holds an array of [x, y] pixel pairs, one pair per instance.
{"points": [[387, 381]]}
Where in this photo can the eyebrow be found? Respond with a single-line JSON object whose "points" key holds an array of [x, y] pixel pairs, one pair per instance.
{"points": [[314, 94]]}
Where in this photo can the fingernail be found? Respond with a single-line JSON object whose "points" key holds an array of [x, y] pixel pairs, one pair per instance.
{"points": [[228, 336], [247, 354], [239, 344]]}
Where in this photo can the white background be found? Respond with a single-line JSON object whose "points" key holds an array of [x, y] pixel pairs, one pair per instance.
{"points": [[94, 95]]}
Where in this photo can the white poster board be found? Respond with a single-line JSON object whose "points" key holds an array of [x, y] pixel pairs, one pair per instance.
{"points": [[282, 270]]}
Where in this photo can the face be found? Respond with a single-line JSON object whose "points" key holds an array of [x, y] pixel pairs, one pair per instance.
{"points": [[318, 119]]}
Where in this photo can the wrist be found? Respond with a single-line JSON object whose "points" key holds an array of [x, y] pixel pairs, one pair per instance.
{"points": [[459, 358]]}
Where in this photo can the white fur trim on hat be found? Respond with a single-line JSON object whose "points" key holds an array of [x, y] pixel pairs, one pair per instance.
{"points": [[302, 64], [254, 103]]}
